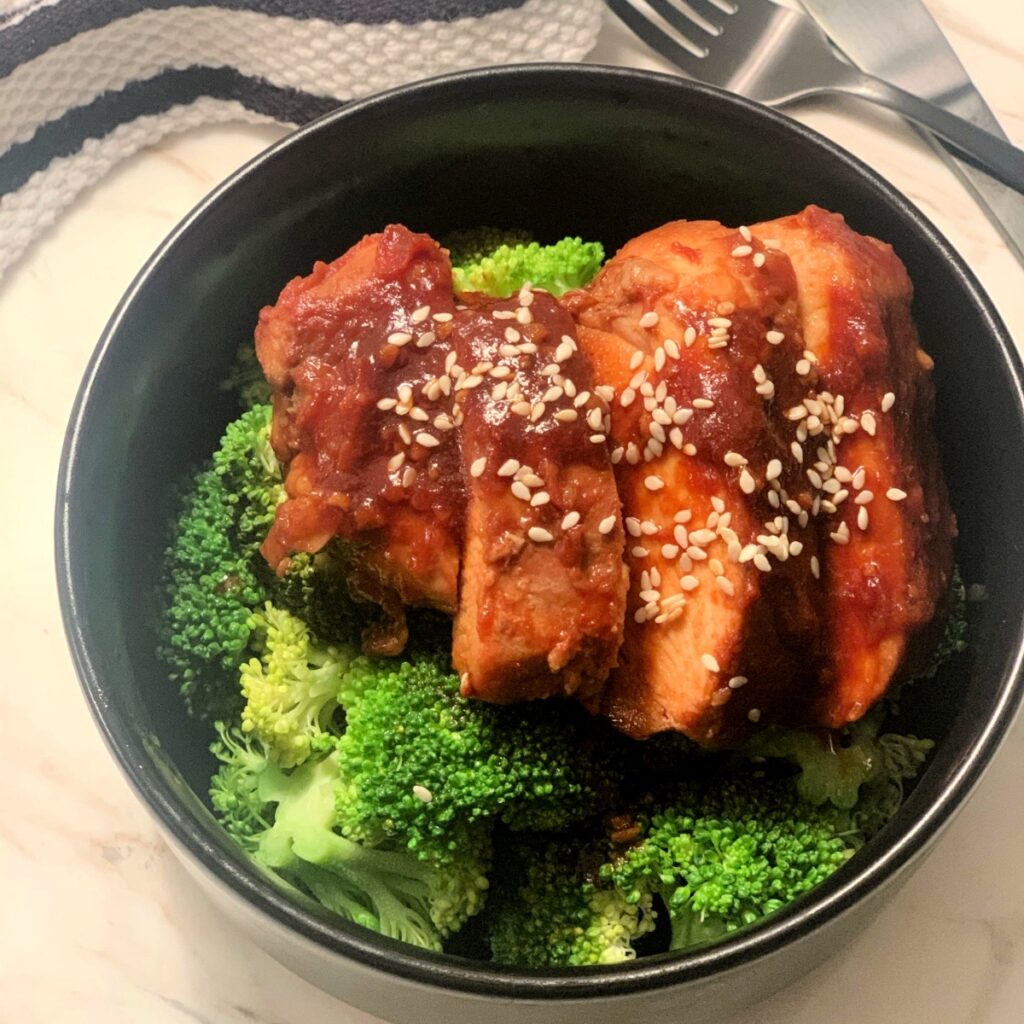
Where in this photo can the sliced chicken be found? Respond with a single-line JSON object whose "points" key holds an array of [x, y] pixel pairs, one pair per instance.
{"points": [[699, 342], [354, 352], [891, 568], [543, 584]]}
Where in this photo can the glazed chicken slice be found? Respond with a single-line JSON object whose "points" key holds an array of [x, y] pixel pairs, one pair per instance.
{"points": [[699, 341], [543, 584], [355, 354], [891, 568]]}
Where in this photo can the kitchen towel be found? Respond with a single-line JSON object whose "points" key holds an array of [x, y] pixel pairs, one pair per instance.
{"points": [[86, 83]]}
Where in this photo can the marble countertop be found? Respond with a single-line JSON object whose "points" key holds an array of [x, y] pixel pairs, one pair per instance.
{"points": [[99, 922]]}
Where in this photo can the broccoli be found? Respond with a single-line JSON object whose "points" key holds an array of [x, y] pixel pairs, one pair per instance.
{"points": [[422, 763], [471, 245], [570, 263], [212, 575], [954, 638], [291, 689], [723, 855], [287, 821], [315, 588], [852, 770], [551, 908], [245, 379]]}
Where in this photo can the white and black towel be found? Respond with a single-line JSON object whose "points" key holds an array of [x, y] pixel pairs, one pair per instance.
{"points": [[86, 83]]}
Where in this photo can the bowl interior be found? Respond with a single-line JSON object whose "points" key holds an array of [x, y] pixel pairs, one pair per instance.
{"points": [[597, 153]]}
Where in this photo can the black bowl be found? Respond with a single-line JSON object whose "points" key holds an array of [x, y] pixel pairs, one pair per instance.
{"points": [[598, 152]]}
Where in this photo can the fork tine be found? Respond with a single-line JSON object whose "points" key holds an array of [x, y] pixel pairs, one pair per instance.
{"points": [[686, 21], [657, 39], [714, 10]]}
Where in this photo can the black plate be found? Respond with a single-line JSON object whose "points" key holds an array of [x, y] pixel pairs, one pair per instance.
{"points": [[603, 153]]}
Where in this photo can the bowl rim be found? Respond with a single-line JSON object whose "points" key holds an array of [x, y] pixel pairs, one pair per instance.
{"points": [[833, 898]]}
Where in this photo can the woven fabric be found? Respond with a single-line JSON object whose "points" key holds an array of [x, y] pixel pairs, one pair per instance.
{"points": [[87, 83]]}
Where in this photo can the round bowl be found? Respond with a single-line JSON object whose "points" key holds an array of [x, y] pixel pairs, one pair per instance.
{"points": [[599, 152]]}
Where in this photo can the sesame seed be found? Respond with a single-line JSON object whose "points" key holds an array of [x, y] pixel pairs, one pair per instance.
{"points": [[803, 367], [859, 478], [888, 401], [598, 438], [654, 483], [478, 467], [539, 535], [422, 793], [773, 470], [747, 482], [689, 336], [841, 535], [650, 595], [521, 408], [563, 352], [696, 554], [594, 419], [649, 319], [863, 518], [529, 478], [570, 520], [419, 415], [734, 459], [566, 415], [503, 314], [867, 422], [386, 404], [688, 582], [639, 551], [703, 403], [766, 390], [512, 335], [741, 250], [672, 348], [395, 462], [710, 662], [689, 449], [775, 337], [442, 318], [720, 322], [895, 494], [520, 490], [405, 433], [754, 715], [616, 455], [864, 498], [427, 440], [636, 359], [815, 477], [758, 260], [702, 537], [540, 498], [606, 525], [762, 563], [509, 467], [409, 476], [659, 359], [399, 338], [724, 584], [524, 316], [815, 567]]}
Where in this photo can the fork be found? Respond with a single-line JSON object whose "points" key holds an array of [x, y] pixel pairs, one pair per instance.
{"points": [[777, 55]]}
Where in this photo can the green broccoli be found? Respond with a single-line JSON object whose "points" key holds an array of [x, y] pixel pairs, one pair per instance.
{"points": [[315, 588], [245, 379], [570, 263], [471, 245], [725, 854], [291, 689], [213, 572], [954, 637], [550, 907], [287, 821], [847, 769], [422, 763]]}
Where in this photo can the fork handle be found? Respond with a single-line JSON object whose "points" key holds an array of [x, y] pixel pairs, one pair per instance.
{"points": [[999, 158]]}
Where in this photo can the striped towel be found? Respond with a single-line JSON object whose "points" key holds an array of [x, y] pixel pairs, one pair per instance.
{"points": [[86, 83]]}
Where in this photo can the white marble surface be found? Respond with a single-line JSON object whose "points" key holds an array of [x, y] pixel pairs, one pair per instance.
{"points": [[98, 922]]}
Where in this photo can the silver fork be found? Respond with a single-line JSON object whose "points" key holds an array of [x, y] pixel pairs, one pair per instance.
{"points": [[776, 55]]}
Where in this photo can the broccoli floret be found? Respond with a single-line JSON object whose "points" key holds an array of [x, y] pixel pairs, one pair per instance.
{"points": [[394, 893], [291, 689], [853, 770], [551, 909], [212, 567], [954, 638], [315, 588], [570, 263], [471, 245], [726, 854], [422, 763], [245, 379]]}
